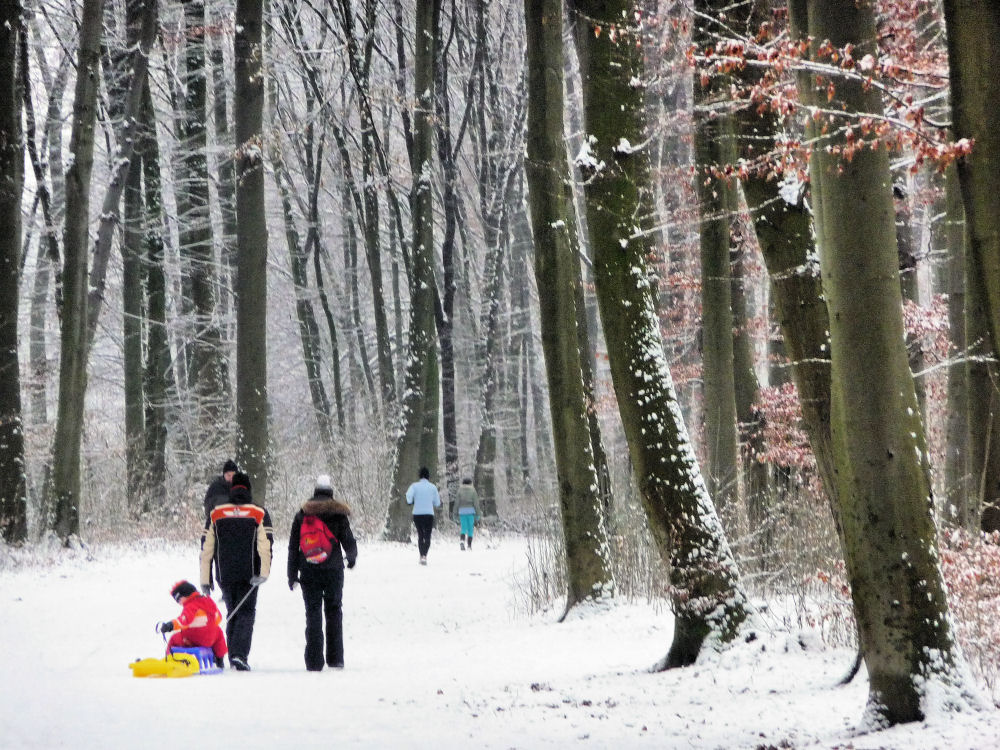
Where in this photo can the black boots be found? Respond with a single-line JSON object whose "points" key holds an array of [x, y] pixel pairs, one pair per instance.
{"points": [[463, 542]]}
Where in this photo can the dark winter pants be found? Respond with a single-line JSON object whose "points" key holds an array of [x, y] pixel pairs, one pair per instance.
{"points": [[322, 592], [425, 525], [239, 629]]}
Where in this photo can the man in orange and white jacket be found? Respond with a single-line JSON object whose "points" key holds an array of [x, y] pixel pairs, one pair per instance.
{"points": [[237, 542], [197, 624]]}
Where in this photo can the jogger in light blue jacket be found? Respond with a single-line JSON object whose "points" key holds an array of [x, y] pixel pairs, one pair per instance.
{"points": [[424, 497]]}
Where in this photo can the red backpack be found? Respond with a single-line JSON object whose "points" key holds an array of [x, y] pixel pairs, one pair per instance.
{"points": [[315, 540]]}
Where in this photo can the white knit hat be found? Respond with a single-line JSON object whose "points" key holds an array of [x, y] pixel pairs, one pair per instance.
{"points": [[323, 485]]}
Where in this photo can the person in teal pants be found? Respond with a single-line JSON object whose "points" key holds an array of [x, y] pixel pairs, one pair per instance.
{"points": [[468, 511]]}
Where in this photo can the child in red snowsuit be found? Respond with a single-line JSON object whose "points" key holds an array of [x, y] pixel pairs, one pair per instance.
{"points": [[197, 624]]}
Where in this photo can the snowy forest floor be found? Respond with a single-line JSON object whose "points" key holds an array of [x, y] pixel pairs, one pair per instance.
{"points": [[439, 656]]}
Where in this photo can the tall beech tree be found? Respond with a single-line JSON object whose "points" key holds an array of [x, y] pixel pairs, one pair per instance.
{"points": [[973, 56], [880, 456], [421, 383], [715, 147], [253, 442], [65, 477], [706, 594], [13, 480], [208, 372], [557, 270]]}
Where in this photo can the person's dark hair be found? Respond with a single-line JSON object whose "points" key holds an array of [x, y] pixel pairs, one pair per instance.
{"points": [[239, 489], [181, 590], [425, 473], [467, 480]]}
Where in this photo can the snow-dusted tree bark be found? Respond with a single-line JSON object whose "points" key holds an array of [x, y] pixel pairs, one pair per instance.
{"points": [[557, 270], [707, 596], [133, 307], [13, 479], [253, 441], [65, 487], [449, 141], [783, 225], [486, 453], [422, 358], [880, 454]]}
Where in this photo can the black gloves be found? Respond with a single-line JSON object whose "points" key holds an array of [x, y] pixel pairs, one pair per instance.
{"points": [[165, 627], [292, 583], [350, 563]]}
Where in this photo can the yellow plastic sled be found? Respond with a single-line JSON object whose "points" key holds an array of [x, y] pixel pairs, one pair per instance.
{"points": [[174, 665]]}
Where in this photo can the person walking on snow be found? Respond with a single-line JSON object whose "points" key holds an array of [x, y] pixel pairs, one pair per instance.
{"points": [[218, 491], [468, 511], [424, 498], [237, 539], [320, 538], [197, 624]]}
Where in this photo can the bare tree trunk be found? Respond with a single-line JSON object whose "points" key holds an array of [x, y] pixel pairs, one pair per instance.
{"points": [[127, 139], [133, 316], [958, 484], [47, 263], [749, 420], [715, 147], [973, 59], [485, 477], [226, 184], [422, 362], [331, 327], [253, 447], [308, 329], [707, 596], [360, 60], [13, 470], [157, 372], [879, 450], [783, 225], [65, 489], [982, 374], [557, 270], [209, 376]]}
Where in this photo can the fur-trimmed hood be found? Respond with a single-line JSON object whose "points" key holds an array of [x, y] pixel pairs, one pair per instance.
{"points": [[319, 504]]}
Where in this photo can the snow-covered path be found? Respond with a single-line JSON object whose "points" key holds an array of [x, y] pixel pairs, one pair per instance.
{"points": [[437, 656]]}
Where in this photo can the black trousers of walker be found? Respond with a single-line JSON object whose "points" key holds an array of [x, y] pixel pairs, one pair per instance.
{"points": [[425, 525], [239, 629], [322, 592]]}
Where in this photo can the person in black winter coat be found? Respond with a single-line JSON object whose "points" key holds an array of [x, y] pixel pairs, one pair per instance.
{"points": [[237, 540], [322, 578], [218, 491]]}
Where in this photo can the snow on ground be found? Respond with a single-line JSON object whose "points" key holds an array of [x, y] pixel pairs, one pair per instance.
{"points": [[437, 656]]}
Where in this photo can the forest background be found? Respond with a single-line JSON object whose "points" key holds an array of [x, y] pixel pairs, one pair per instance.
{"points": [[512, 242]]}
